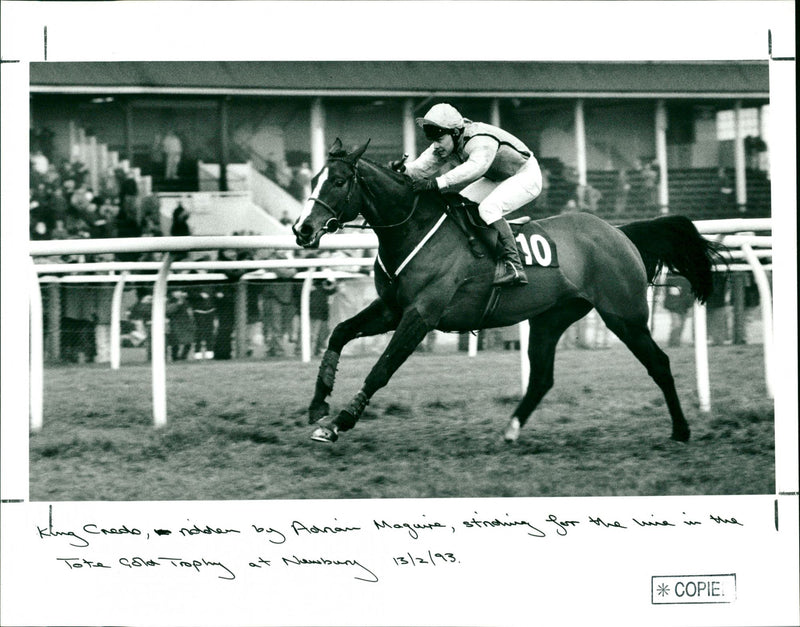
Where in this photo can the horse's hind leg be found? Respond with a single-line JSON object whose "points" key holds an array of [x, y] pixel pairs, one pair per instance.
{"points": [[637, 338], [375, 319], [545, 330]]}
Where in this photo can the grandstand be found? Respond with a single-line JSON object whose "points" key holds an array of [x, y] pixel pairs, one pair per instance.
{"points": [[623, 140], [592, 120]]}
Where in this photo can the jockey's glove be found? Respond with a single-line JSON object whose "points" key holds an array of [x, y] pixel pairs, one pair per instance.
{"points": [[398, 165], [424, 185]]}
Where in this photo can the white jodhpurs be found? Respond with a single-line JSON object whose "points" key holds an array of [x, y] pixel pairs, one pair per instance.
{"points": [[497, 199]]}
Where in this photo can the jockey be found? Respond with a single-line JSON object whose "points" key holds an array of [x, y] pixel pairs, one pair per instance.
{"points": [[489, 166]]}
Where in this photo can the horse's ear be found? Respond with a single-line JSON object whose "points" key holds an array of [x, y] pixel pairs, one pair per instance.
{"points": [[356, 154], [336, 148]]}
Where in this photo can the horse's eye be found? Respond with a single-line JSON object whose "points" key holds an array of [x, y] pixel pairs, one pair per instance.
{"points": [[339, 182]]}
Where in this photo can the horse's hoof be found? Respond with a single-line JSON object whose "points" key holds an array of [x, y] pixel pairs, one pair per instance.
{"points": [[512, 430], [681, 436], [324, 433]]}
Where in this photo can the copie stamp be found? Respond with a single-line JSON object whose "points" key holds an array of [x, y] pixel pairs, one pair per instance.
{"points": [[685, 589]]}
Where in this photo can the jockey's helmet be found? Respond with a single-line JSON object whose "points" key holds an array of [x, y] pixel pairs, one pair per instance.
{"points": [[440, 119]]}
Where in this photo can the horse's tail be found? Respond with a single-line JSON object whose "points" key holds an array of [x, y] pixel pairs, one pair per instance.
{"points": [[675, 242]]}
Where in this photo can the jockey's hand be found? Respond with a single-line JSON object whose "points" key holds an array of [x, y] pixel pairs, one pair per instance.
{"points": [[424, 185], [398, 165]]}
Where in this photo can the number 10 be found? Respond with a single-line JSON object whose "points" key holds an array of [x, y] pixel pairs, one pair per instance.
{"points": [[538, 248]]}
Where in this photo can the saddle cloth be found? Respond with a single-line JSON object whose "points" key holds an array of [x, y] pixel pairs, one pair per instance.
{"points": [[535, 246]]}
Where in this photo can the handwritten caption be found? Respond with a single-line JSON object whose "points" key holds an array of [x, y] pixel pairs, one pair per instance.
{"points": [[287, 550]]}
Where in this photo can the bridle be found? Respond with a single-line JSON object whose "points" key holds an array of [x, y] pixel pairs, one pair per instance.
{"points": [[336, 222]]}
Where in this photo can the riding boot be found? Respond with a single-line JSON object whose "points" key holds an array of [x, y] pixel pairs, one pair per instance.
{"points": [[510, 271]]}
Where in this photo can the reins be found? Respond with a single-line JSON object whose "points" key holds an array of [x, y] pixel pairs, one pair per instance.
{"points": [[355, 181], [386, 226]]}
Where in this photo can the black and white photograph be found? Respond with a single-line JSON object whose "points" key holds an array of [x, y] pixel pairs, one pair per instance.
{"points": [[317, 306]]}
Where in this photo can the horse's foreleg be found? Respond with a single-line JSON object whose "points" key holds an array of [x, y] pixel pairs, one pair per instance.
{"points": [[375, 319], [545, 330], [410, 332]]}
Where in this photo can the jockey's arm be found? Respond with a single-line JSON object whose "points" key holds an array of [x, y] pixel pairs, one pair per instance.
{"points": [[481, 152], [426, 165]]}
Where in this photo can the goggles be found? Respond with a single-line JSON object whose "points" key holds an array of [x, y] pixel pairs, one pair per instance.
{"points": [[432, 132]]}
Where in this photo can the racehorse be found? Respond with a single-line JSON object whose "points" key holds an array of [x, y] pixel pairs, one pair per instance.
{"points": [[428, 278]]}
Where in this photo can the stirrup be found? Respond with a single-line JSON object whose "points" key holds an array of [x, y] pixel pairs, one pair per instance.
{"points": [[508, 274]]}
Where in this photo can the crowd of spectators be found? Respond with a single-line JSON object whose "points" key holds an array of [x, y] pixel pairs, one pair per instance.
{"points": [[63, 204]]}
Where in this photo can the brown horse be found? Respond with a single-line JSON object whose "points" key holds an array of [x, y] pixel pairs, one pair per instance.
{"points": [[428, 278]]}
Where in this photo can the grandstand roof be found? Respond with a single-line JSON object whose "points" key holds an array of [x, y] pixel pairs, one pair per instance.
{"points": [[746, 79]]}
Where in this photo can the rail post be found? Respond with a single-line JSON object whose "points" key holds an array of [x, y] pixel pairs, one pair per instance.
{"points": [[525, 362], [116, 317], [158, 344], [53, 350], [241, 318], [305, 316], [701, 357], [36, 364], [765, 298], [472, 344]]}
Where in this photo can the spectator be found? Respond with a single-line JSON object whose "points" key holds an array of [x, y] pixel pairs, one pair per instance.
{"points": [[58, 204], [570, 207], [172, 148], [283, 174], [157, 155], [303, 177], [107, 217], [97, 224], [39, 228], [589, 198], [81, 198], [319, 311], [180, 334], [677, 301], [128, 193], [204, 319], [180, 228], [126, 225], [716, 309], [141, 315], [725, 200], [110, 185], [151, 215], [225, 304], [59, 231], [280, 304], [544, 196], [650, 184], [180, 222], [39, 163], [754, 147], [621, 190], [286, 220]]}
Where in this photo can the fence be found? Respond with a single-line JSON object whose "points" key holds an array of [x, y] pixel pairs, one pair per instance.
{"points": [[751, 249]]}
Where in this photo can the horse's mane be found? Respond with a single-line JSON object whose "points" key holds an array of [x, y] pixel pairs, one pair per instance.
{"points": [[396, 176]]}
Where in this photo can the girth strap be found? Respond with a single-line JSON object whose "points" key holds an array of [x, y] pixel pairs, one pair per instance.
{"points": [[491, 305]]}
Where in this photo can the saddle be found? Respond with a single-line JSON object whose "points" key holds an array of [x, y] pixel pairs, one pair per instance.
{"points": [[464, 213]]}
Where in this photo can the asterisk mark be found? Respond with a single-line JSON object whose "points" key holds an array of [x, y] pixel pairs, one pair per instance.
{"points": [[663, 590]]}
